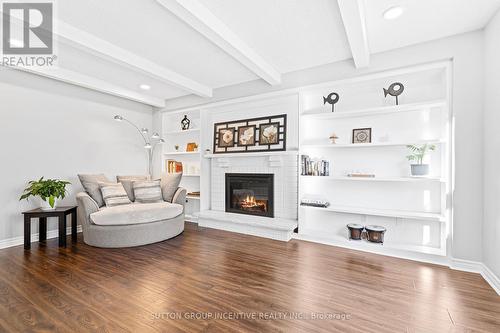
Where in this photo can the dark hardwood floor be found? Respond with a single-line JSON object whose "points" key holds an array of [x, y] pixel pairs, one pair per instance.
{"points": [[246, 282]]}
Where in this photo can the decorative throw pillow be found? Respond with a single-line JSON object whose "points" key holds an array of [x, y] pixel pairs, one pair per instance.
{"points": [[128, 184], [147, 191], [169, 184], [114, 194], [90, 184]]}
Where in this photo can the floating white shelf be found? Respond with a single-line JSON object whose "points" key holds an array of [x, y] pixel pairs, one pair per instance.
{"points": [[183, 153], [373, 144], [325, 113], [192, 197], [381, 212], [250, 154], [377, 179], [343, 241], [185, 175], [192, 130]]}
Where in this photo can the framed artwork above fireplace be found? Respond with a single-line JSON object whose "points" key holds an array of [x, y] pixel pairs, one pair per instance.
{"points": [[251, 135]]}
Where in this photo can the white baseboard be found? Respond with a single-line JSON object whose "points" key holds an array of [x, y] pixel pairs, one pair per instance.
{"points": [[491, 278], [15, 241], [477, 267], [466, 265]]}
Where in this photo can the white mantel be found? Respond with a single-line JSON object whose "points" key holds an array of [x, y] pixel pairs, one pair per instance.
{"points": [[252, 154]]}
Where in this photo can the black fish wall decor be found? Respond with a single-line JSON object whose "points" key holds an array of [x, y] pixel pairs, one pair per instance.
{"points": [[395, 90], [332, 99]]}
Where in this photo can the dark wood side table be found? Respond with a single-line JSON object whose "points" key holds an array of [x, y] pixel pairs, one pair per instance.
{"points": [[61, 213]]}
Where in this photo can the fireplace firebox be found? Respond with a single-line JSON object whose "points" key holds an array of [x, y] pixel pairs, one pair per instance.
{"points": [[251, 194]]}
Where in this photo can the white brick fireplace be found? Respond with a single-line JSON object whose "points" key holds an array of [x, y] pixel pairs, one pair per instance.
{"points": [[283, 165]]}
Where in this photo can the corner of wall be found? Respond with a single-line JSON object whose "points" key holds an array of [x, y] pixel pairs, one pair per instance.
{"points": [[490, 141]]}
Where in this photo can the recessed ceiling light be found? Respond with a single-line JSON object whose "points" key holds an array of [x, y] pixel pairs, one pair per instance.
{"points": [[145, 87], [393, 13]]}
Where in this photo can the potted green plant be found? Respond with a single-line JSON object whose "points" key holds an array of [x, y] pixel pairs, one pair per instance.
{"points": [[48, 190], [418, 153]]}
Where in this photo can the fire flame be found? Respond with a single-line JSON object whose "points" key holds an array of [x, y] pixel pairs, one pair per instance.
{"points": [[250, 202]]}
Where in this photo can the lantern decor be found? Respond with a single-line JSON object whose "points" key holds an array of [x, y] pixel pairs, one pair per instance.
{"points": [[185, 123]]}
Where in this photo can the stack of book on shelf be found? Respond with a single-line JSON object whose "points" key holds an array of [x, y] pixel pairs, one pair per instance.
{"points": [[314, 167], [173, 166], [194, 194], [314, 202]]}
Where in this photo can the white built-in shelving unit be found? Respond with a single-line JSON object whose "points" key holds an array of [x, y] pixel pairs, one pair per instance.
{"points": [[415, 210], [174, 135]]}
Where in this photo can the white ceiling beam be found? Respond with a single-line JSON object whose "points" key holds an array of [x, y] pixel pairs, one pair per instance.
{"points": [[88, 82], [202, 20], [102, 48], [73, 36], [353, 16]]}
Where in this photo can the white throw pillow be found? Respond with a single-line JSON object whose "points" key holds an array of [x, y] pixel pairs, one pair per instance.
{"points": [[128, 184], [90, 184], [114, 194], [169, 184], [147, 191]]}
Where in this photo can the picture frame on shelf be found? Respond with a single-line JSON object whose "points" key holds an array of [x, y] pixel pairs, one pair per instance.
{"points": [[361, 135], [246, 135]]}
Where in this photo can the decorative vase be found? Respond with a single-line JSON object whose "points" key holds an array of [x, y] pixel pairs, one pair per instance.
{"points": [[45, 204], [419, 169], [185, 123]]}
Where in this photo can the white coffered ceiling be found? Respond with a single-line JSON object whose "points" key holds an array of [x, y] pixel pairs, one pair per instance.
{"points": [[181, 47]]}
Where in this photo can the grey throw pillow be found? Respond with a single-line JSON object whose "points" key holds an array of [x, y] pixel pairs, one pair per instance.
{"points": [[128, 184], [114, 194], [147, 191], [90, 184], [169, 184]]}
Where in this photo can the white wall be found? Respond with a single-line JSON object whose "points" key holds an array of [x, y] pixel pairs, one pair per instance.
{"points": [[491, 224], [56, 130], [467, 53]]}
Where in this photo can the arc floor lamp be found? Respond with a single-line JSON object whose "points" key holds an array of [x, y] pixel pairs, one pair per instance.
{"points": [[150, 143]]}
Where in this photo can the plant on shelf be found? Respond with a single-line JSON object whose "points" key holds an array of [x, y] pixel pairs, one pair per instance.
{"points": [[48, 190], [418, 153]]}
